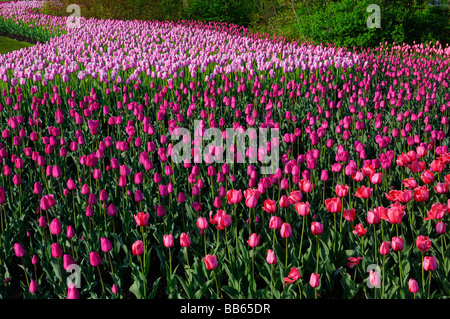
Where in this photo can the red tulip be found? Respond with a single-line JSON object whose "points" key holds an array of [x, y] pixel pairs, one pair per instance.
{"points": [[376, 178], [286, 230], [397, 243], [55, 227], [333, 205], [105, 245], [295, 197], [72, 292], [394, 214], [33, 287], [270, 206], [437, 211], [141, 219], [137, 248], [251, 197], [373, 217], [284, 202], [413, 286], [429, 263], [441, 227], [341, 190], [316, 228], [18, 250], [210, 261], [423, 243], [314, 280], [253, 241], [353, 261], [202, 223], [234, 196], [385, 248], [275, 222], [67, 261], [421, 193], [47, 202], [349, 214], [168, 240], [303, 209], [57, 250], [359, 230], [293, 276], [374, 278], [363, 192], [95, 259], [427, 177], [271, 258], [410, 183]]}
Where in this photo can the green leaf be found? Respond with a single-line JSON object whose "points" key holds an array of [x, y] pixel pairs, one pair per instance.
{"points": [[136, 289], [154, 288], [232, 292], [185, 285], [201, 292]]}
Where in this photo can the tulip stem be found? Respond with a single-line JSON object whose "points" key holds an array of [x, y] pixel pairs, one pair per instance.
{"points": [[317, 254], [73, 205], [112, 269], [286, 261], [375, 239], [101, 280], [429, 285], [25, 271], [143, 277], [236, 228], [423, 275], [228, 247], [335, 234], [217, 285], [249, 221], [60, 272], [189, 267], [253, 269], [400, 268], [271, 279], [382, 291], [204, 240], [301, 237]]}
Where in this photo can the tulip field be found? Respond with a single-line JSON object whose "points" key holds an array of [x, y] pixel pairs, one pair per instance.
{"points": [[93, 204]]}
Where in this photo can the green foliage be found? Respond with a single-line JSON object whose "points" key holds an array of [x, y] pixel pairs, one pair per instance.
{"points": [[343, 22], [231, 11]]}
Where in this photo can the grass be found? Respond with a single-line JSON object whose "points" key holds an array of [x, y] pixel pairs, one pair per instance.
{"points": [[8, 45]]}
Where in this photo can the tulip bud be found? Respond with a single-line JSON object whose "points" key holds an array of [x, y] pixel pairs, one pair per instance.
{"points": [[314, 280], [168, 240], [413, 286], [185, 241], [210, 261], [94, 258], [105, 245], [137, 248]]}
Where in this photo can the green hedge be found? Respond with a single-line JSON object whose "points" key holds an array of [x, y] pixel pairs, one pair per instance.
{"points": [[327, 21], [345, 23]]}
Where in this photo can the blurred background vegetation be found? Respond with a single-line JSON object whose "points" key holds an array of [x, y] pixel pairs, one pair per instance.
{"points": [[342, 22]]}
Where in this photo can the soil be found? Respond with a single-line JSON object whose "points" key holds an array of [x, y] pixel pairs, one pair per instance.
{"points": [[20, 38]]}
